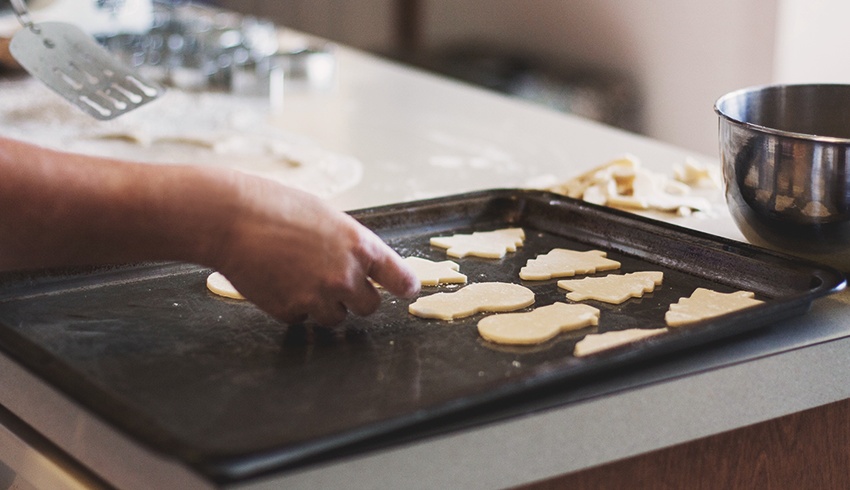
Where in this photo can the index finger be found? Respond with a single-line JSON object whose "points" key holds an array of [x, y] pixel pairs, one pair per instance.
{"points": [[393, 274]]}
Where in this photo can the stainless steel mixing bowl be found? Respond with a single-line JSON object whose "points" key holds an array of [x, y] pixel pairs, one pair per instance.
{"points": [[784, 151]]}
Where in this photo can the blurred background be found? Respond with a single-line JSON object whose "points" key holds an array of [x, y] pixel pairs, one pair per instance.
{"points": [[654, 67], [651, 66]]}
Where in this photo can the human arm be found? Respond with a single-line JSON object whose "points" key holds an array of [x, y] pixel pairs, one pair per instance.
{"points": [[285, 250]]}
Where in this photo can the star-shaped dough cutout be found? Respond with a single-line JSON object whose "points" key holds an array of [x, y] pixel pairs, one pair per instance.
{"points": [[432, 273]]}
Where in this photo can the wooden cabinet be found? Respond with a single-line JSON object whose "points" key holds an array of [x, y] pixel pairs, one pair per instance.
{"points": [[809, 449]]}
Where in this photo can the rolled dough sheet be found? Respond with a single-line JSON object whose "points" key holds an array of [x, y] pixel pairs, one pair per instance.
{"points": [[180, 128]]}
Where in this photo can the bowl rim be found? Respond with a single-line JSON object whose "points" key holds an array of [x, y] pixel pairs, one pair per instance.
{"points": [[774, 131]]}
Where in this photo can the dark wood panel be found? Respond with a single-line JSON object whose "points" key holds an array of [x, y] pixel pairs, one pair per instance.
{"points": [[809, 449]]}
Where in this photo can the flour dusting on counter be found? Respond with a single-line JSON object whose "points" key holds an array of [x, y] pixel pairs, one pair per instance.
{"points": [[184, 128], [473, 154]]}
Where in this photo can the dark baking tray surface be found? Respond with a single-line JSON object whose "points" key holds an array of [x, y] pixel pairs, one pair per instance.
{"points": [[219, 385]]}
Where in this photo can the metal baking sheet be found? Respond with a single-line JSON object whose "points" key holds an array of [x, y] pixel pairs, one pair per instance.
{"points": [[234, 394]]}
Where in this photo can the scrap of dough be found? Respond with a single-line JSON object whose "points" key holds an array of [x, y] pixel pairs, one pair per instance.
{"points": [[432, 273], [613, 288], [471, 299], [598, 342], [537, 326], [218, 284], [694, 173], [487, 244], [622, 183], [616, 170], [705, 303], [561, 262]]}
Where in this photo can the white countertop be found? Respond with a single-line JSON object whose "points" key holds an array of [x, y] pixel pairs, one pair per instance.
{"points": [[421, 136]]}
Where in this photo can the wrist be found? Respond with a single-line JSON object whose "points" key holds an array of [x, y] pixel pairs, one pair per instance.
{"points": [[201, 217]]}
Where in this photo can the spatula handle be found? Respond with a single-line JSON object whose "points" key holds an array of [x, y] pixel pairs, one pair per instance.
{"points": [[23, 13]]}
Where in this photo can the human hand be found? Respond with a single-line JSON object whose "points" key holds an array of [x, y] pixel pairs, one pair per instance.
{"points": [[295, 257], [287, 251]]}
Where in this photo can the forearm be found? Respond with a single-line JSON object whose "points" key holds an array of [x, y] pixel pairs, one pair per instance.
{"points": [[58, 209], [287, 251]]}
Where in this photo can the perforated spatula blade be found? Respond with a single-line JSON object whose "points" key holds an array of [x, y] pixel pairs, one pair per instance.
{"points": [[72, 64]]}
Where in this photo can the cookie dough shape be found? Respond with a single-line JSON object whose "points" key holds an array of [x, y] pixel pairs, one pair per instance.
{"points": [[432, 273], [561, 262], [599, 342], [218, 284], [471, 299], [537, 326], [613, 288], [488, 244], [706, 303]]}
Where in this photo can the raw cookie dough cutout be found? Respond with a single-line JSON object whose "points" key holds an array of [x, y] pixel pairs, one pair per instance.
{"points": [[218, 284], [599, 342], [706, 303], [488, 244], [471, 299], [537, 326], [613, 288], [561, 262], [432, 273]]}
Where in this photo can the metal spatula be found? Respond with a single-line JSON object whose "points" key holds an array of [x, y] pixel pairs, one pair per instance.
{"points": [[70, 62]]}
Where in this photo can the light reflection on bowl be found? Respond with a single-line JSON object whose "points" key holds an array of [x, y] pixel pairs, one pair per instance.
{"points": [[784, 153]]}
